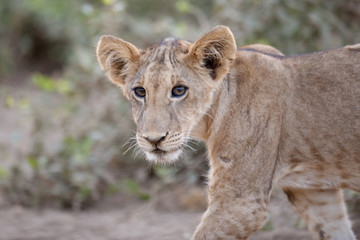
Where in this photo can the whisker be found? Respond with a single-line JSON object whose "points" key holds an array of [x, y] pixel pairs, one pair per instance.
{"points": [[134, 144], [192, 141], [138, 152], [128, 141], [207, 114], [191, 148]]}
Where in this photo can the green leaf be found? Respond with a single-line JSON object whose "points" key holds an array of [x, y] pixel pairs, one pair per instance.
{"points": [[268, 226], [63, 87], [33, 162], [24, 104], [85, 193], [43, 82], [3, 173], [85, 146], [108, 2], [10, 101], [183, 6], [131, 186], [163, 172], [144, 197], [263, 41], [113, 189]]}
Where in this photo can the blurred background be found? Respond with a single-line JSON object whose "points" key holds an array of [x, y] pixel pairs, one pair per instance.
{"points": [[65, 130]]}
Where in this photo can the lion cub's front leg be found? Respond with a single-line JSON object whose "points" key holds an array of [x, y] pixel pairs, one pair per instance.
{"points": [[234, 211], [231, 219]]}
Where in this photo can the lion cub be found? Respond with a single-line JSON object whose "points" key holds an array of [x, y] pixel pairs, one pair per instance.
{"points": [[266, 119]]}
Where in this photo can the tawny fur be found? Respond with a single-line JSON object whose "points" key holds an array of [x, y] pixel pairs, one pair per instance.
{"points": [[266, 119]]}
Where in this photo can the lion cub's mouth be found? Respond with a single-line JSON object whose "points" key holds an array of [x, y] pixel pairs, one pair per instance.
{"points": [[159, 152], [161, 156]]}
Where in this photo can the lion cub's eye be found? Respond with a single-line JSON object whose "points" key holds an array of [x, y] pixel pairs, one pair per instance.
{"points": [[140, 92], [178, 91]]}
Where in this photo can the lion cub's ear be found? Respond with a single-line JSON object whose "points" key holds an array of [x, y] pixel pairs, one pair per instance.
{"points": [[119, 59], [214, 51]]}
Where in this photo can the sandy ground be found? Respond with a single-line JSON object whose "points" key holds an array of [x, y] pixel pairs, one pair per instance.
{"points": [[162, 218], [21, 224], [153, 220]]}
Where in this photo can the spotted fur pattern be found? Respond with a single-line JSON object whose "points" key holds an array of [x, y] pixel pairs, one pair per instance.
{"points": [[266, 119]]}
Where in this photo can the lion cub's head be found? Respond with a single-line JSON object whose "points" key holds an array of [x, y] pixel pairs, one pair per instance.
{"points": [[170, 85]]}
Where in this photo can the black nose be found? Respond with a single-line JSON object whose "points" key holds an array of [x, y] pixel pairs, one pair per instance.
{"points": [[155, 140]]}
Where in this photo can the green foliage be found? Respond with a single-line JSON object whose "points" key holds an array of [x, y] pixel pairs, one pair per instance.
{"points": [[3, 174], [19, 103], [165, 173], [10, 101], [268, 226], [113, 189], [33, 163], [183, 6], [131, 186], [292, 26], [71, 169], [68, 179], [49, 84]]}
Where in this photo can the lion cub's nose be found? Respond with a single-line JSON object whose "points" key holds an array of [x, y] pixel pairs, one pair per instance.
{"points": [[154, 138]]}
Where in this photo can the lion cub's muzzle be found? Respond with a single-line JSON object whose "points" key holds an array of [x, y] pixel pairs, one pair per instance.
{"points": [[155, 140], [160, 147]]}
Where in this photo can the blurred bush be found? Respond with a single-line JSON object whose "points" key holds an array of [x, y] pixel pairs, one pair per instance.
{"points": [[64, 126], [293, 26]]}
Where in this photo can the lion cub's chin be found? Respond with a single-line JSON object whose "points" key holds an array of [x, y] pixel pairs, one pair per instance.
{"points": [[163, 156]]}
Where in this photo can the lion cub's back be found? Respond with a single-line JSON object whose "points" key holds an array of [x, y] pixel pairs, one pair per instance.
{"points": [[322, 120], [261, 48], [325, 90]]}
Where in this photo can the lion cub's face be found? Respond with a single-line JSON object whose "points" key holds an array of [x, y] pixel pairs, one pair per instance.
{"points": [[170, 85]]}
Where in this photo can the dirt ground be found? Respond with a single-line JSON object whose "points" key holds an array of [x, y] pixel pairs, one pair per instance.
{"points": [[167, 217], [172, 215], [21, 224]]}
